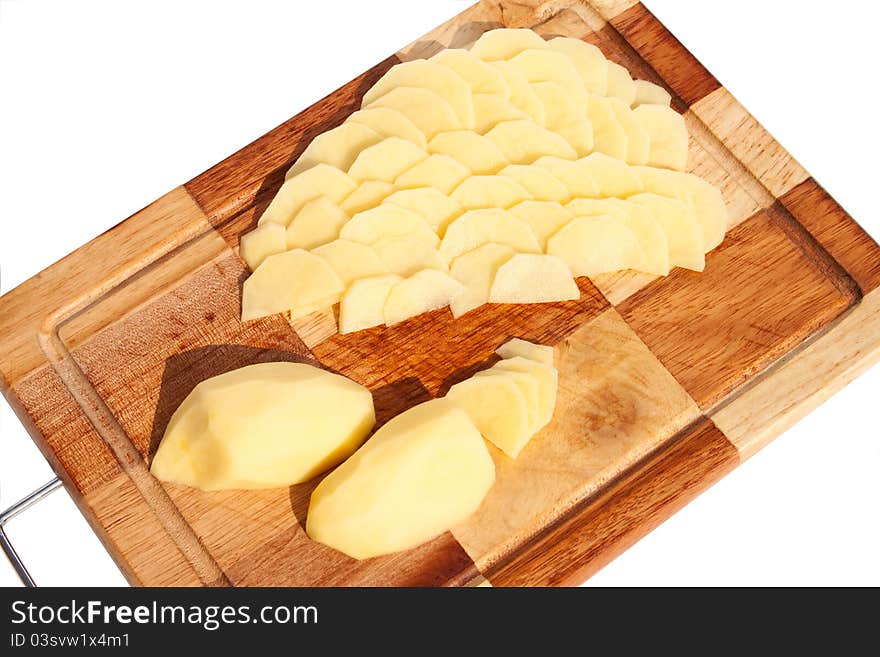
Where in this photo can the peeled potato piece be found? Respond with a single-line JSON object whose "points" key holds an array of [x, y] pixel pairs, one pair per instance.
{"points": [[531, 278], [363, 304], [351, 260], [497, 408], [547, 379], [609, 137], [613, 177], [441, 172], [638, 142], [668, 133], [267, 425], [429, 111], [620, 84], [421, 474], [320, 180], [596, 245], [407, 254], [476, 152], [436, 208], [504, 43], [475, 270], [318, 222], [386, 160], [490, 109], [523, 142], [648, 93], [337, 147], [477, 227], [522, 96], [427, 74], [386, 220], [262, 242], [684, 233], [422, 292], [539, 182], [543, 217], [538, 353], [286, 281], [545, 65], [528, 386], [479, 192], [564, 118], [578, 181], [588, 60], [482, 78], [389, 123], [367, 195]]}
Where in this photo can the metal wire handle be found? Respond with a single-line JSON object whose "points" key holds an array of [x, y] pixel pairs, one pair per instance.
{"points": [[7, 515]]}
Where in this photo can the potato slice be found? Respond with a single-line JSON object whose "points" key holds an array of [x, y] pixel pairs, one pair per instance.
{"points": [[490, 109], [638, 142], [545, 376], [476, 152], [504, 43], [421, 474], [613, 177], [588, 60], [683, 231], [482, 78], [318, 222], [386, 220], [523, 142], [435, 207], [320, 180], [386, 160], [497, 408], [351, 260], [648, 93], [545, 65], [422, 292], [596, 245], [539, 182], [530, 278], [337, 147], [429, 111], [363, 304], [262, 242], [427, 74], [389, 123], [538, 353], [579, 182], [668, 133], [477, 227], [640, 220], [609, 137], [543, 217], [479, 192], [620, 84], [368, 194], [564, 118], [522, 96], [441, 172], [528, 386], [407, 254], [268, 425], [475, 270], [288, 280]]}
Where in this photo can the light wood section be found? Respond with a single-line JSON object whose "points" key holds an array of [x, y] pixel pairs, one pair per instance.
{"points": [[616, 403]]}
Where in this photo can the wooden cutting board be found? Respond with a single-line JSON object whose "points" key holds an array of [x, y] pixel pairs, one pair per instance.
{"points": [[665, 385]]}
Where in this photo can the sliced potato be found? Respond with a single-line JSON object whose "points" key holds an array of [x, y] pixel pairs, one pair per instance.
{"points": [[386, 160], [441, 172], [521, 94], [476, 152], [490, 109], [543, 217], [435, 207], [428, 110], [539, 182], [478, 192], [638, 142], [320, 180], [386, 220], [596, 245], [477, 227], [422, 292], [564, 118], [523, 142], [588, 60], [288, 280], [545, 65], [407, 254], [683, 231], [620, 84], [262, 242], [547, 379], [367, 195], [363, 304], [609, 137], [318, 222], [538, 353], [389, 123], [533, 278], [579, 182], [528, 386], [482, 78], [709, 206], [351, 260], [504, 43], [427, 74], [614, 177], [475, 270], [668, 133], [648, 93], [337, 147]]}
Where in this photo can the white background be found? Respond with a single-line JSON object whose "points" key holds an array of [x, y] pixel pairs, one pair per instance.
{"points": [[106, 105]]}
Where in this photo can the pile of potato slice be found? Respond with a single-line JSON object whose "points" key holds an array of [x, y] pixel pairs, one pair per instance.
{"points": [[489, 175]]}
